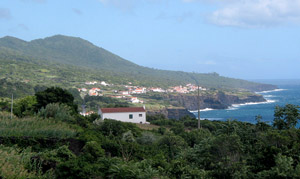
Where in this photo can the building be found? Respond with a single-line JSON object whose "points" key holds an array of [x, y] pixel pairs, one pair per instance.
{"points": [[104, 83], [134, 100], [158, 90], [91, 82], [87, 113], [131, 114], [93, 93], [139, 91]]}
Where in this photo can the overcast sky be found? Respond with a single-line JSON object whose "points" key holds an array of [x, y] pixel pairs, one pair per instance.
{"points": [[249, 39]]}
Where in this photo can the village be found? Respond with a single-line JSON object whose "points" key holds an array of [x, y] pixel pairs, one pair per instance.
{"points": [[129, 92]]}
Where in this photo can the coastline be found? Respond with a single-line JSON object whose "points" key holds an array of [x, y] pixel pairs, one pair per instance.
{"points": [[236, 106], [269, 91]]}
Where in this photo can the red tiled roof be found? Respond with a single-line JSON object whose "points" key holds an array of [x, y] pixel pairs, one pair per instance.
{"points": [[117, 110]]}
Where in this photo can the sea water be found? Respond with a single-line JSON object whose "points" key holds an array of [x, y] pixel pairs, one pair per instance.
{"points": [[286, 94]]}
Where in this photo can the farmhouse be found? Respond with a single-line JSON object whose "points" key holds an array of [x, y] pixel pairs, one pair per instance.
{"points": [[132, 114]]}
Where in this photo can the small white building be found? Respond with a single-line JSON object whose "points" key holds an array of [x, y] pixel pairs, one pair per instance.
{"points": [[134, 100], [104, 83], [132, 114]]}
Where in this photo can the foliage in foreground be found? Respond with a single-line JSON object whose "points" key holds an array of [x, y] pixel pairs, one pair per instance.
{"points": [[34, 127], [174, 149], [17, 163]]}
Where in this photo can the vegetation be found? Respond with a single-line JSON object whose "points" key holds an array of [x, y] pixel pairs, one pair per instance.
{"points": [[58, 143], [34, 127], [69, 61], [18, 163]]}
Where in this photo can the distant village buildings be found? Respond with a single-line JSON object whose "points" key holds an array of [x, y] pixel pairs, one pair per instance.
{"points": [[87, 113], [130, 91], [91, 82]]}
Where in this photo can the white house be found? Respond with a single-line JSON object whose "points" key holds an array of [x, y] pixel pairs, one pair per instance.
{"points": [[159, 90], [104, 83], [132, 114], [134, 100], [91, 82]]}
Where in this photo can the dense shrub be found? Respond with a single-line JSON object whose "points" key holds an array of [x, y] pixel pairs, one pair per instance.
{"points": [[55, 95], [57, 111]]}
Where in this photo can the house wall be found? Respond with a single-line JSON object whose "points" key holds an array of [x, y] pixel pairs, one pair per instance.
{"points": [[124, 117]]}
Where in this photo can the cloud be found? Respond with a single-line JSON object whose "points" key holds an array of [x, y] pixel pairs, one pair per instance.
{"points": [[35, 1], [208, 62], [129, 5], [179, 18], [124, 5], [19, 28], [23, 27], [77, 11], [254, 13], [5, 14]]}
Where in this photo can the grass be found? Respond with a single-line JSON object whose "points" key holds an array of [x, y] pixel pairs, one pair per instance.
{"points": [[147, 126], [15, 163], [33, 127]]}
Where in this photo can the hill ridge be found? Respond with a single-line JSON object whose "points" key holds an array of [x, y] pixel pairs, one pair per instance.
{"points": [[78, 53]]}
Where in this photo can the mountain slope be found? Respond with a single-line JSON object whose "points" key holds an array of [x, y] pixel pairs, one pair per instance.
{"points": [[92, 62]]}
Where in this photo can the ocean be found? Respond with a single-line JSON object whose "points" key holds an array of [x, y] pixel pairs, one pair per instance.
{"points": [[286, 94]]}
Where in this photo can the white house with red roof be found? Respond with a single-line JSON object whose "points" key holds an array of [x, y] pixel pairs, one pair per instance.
{"points": [[130, 114], [139, 91]]}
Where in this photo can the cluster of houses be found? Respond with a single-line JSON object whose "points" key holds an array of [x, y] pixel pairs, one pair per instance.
{"points": [[91, 92], [185, 89], [132, 114], [95, 82], [132, 90]]}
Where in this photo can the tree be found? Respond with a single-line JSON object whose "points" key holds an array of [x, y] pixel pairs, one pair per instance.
{"points": [[172, 145], [55, 95], [25, 106], [286, 117]]}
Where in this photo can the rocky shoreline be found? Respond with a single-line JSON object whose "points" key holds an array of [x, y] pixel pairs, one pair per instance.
{"points": [[189, 103]]}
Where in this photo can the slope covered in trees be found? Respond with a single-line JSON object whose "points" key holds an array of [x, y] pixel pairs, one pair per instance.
{"points": [[68, 60]]}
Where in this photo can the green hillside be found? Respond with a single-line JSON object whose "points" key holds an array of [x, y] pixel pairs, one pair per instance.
{"points": [[69, 61]]}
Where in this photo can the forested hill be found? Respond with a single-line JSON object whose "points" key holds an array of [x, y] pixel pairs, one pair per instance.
{"points": [[77, 59]]}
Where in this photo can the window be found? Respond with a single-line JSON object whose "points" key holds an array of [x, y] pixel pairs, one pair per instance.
{"points": [[140, 115], [130, 116]]}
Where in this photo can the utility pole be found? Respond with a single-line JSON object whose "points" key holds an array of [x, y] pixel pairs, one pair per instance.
{"points": [[12, 106], [198, 99]]}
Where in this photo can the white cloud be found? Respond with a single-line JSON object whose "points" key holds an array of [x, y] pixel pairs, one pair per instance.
{"points": [[255, 13], [128, 5], [5, 14], [124, 5], [208, 62], [77, 11], [35, 1], [178, 18], [23, 27]]}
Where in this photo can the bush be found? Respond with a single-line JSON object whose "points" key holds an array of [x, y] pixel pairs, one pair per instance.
{"points": [[55, 95], [117, 128], [25, 106], [92, 150], [57, 111]]}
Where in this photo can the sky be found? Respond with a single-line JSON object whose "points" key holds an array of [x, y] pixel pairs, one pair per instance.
{"points": [[247, 39]]}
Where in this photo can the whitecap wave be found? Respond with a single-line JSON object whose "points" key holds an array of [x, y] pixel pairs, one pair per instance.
{"points": [[201, 110], [269, 96], [210, 118], [275, 90], [237, 106], [207, 109]]}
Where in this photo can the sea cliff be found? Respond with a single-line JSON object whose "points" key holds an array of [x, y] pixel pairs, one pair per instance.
{"points": [[188, 103], [217, 101]]}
